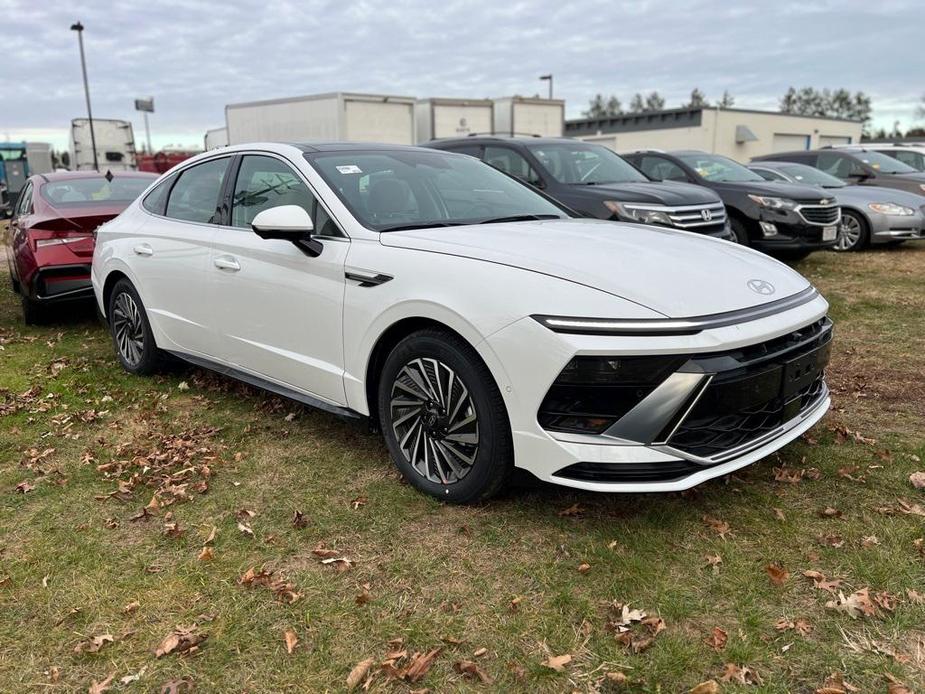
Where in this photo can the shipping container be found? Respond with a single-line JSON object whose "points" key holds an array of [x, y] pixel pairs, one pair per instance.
{"points": [[115, 145], [215, 138], [335, 116], [435, 118], [520, 115]]}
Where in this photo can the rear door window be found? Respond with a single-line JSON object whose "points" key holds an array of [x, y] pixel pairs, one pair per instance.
{"points": [[195, 196], [661, 169], [839, 165], [24, 204], [510, 162]]}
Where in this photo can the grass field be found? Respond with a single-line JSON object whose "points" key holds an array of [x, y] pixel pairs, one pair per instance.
{"points": [[134, 509]]}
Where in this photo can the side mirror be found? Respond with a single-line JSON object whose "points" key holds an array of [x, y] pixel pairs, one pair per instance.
{"points": [[288, 223]]}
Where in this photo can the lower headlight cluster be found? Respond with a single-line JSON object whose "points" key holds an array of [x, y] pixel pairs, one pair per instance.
{"points": [[773, 203], [649, 214], [591, 393]]}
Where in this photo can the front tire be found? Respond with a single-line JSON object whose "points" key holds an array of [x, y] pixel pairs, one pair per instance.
{"points": [[131, 331], [33, 313], [739, 231], [443, 418], [853, 233]]}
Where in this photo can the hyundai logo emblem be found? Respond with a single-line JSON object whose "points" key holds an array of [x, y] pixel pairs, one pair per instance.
{"points": [[706, 214], [761, 287]]}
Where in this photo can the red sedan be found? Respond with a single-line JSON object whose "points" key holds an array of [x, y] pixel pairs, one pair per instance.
{"points": [[52, 233]]}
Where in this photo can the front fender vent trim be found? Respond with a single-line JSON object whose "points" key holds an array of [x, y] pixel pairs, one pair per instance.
{"points": [[367, 279]]}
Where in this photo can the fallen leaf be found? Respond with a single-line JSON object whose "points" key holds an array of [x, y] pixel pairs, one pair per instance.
{"points": [[714, 560], [830, 540], [915, 597], [830, 512], [558, 662], [93, 644], [24, 487], [515, 604], [363, 596], [479, 652], [835, 684], [177, 686], [584, 568], [128, 679], [870, 541], [779, 514], [209, 540], [571, 511], [322, 551], [717, 639], [856, 605], [777, 574], [299, 520], [739, 674], [183, 385], [820, 582], [358, 502], [469, 669], [894, 686], [245, 528], [721, 527], [616, 677], [918, 480], [289, 636], [206, 554], [420, 664], [131, 607], [100, 687], [708, 687], [181, 640]]}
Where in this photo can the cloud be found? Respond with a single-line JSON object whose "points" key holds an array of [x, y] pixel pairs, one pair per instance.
{"points": [[194, 57]]}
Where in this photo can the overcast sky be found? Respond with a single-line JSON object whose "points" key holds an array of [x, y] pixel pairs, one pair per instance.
{"points": [[196, 56]]}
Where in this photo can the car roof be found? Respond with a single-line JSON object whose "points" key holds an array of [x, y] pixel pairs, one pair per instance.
{"points": [[772, 164], [55, 176], [508, 139]]}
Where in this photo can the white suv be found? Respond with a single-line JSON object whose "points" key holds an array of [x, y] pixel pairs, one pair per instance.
{"points": [[469, 316]]}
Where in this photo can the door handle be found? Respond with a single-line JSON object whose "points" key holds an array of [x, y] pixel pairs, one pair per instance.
{"points": [[226, 262], [143, 249]]}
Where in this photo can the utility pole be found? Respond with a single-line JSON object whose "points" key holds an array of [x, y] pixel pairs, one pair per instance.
{"points": [[547, 78], [79, 28]]}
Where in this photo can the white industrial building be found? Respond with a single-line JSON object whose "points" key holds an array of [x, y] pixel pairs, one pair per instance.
{"points": [[737, 133], [334, 116], [522, 115], [437, 118], [215, 138]]}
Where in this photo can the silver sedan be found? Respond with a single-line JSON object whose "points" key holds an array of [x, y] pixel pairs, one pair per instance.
{"points": [[870, 215]]}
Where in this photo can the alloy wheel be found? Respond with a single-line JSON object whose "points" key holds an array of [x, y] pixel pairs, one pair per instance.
{"points": [[128, 329], [849, 233], [434, 420]]}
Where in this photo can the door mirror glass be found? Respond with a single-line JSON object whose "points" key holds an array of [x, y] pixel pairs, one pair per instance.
{"points": [[289, 222]]}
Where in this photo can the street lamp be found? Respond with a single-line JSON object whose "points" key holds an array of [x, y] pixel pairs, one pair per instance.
{"points": [[79, 28], [547, 78]]}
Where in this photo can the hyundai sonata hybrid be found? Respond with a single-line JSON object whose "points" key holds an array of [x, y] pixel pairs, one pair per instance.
{"points": [[477, 322]]}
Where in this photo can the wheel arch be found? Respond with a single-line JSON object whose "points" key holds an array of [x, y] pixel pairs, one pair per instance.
{"points": [[387, 341], [108, 285]]}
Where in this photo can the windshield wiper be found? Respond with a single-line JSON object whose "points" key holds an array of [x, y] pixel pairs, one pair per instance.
{"points": [[420, 225], [599, 183], [520, 218]]}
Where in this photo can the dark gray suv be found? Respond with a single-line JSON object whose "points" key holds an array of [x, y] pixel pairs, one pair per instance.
{"points": [[863, 167]]}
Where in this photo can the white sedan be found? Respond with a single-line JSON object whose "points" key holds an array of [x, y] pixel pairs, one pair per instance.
{"points": [[477, 322]]}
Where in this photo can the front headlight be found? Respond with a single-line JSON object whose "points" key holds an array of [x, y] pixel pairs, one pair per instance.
{"points": [[644, 214], [891, 208], [773, 203], [922, 186]]}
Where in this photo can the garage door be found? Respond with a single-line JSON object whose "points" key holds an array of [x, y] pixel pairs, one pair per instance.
{"points": [[825, 140], [786, 142]]}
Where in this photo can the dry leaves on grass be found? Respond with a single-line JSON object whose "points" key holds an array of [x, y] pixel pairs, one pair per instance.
{"points": [[558, 662], [284, 590], [801, 626], [717, 639], [572, 511], [713, 560], [634, 629], [358, 673], [100, 687], [93, 644], [917, 479], [835, 684], [821, 582], [708, 687], [182, 641], [739, 674], [291, 640], [777, 574], [469, 669], [858, 604], [721, 527]]}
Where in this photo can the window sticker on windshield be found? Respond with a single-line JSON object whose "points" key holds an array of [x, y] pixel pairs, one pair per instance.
{"points": [[349, 169]]}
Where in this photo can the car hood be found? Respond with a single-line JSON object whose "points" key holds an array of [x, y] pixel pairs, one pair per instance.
{"points": [[794, 191], [917, 177], [664, 193], [677, 274], [863, 195]]}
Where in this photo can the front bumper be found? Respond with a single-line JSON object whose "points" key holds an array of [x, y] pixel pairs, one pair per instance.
{"points": [[885, 228], [593, 462], [792, 231]]}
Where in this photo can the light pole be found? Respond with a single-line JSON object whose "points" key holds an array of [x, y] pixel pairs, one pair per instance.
{"points": [[547, 78], [79, 28]]}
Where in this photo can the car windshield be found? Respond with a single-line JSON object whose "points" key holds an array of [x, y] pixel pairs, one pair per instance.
{"points": [[583, 164], [717, 169], [883, 163], [407, 189], [801, 173], [96, 190]]}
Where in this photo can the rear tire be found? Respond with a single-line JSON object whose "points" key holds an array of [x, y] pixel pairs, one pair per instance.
{"points": [[131, 331], [739, 231], [33, 313], [444, 419], [853, 233]]}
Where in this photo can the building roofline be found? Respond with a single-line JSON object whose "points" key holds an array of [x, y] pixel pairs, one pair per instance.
{"points": [[326, 95]]}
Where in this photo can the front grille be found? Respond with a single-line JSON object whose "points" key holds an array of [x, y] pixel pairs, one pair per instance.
{"points": [[755, 390], [698, 217], [820, 214], [629, 472]]}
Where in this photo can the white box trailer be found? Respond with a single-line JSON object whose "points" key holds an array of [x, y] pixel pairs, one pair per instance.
{"points": [[520, 115], [115, 145], [38, 154], [335, 116], [215, 138], [436, 118]]}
